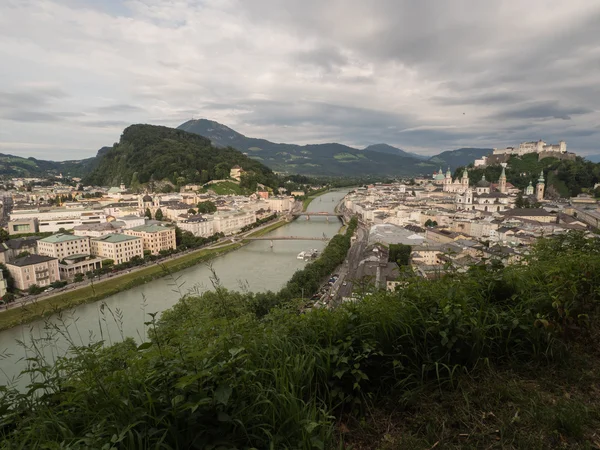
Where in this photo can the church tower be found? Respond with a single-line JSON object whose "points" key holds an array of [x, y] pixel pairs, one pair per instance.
{"points": [[465, 179], [448, 181], [502, 182], [529, 189], [539, 189]]}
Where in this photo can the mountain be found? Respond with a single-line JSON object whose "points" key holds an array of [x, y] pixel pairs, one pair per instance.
{"points": [[459, 157], [385, 148], [593, 158], [329, 159], [148, 152], [16, 166]]}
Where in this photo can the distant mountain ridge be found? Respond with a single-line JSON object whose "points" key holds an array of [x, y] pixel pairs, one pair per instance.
{"points": [[331, 159], [328, 159]]}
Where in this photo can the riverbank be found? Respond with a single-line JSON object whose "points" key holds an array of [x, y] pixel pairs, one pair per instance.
{"points": [[314, 195], [102, 289]]}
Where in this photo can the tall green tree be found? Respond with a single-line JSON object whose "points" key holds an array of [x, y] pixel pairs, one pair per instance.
{"points": [[148, 213], [206, 207], [159, 214]]}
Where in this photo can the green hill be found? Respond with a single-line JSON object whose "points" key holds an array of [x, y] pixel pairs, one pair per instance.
{"points": [[459, 157], [16, 166], [148, 153]]}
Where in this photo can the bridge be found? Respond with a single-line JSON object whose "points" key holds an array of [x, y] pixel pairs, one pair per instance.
{"points": [[281, 238], [317, 214]]}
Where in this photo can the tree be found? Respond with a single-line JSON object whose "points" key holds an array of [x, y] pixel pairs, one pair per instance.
{"points": [[206, 207], [159, 214], [431, 223], [78, 277], [34, 289], [23, 254], [134, 186], [148, 214], [521, 202], [192, 211], [4, 236], [400, 253], [10, 282]]}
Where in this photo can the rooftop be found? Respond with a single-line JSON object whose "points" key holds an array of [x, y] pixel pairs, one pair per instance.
{"points": [[60, 237], [30, 260], [115, 238], [151, 228]]}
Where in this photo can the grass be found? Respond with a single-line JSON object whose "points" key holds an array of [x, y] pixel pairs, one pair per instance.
{"points": [[519, 407], [226, 188]]}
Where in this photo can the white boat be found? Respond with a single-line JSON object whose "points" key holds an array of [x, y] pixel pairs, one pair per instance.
{"points": [[301, 255]]}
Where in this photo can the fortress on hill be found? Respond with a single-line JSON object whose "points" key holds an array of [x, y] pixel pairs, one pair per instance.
{"points": [[533, 147], [542, 149]]}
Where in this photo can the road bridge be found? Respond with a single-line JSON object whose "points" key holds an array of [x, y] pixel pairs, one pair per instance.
{"points": [[325, 214], [280, 238]]}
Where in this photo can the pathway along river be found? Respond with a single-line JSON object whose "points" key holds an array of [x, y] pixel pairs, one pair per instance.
{"points": [[255, 267]]}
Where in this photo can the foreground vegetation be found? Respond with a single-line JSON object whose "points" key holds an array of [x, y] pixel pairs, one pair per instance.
{"points": [[494, 358]]}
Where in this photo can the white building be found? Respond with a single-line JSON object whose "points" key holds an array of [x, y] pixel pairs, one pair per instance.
{"points": [[53, 219], [280, 204], [118, 247], [229, 222], [62, 245], [198, 225]]}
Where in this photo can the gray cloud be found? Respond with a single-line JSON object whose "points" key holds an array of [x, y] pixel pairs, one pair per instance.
{"points": [[118, 108], [541, 110], [38, 116], [327, 58]]}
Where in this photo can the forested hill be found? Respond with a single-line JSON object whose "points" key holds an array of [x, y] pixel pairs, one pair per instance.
{"points": [[16, 166], [563, 178], [148, 153]]}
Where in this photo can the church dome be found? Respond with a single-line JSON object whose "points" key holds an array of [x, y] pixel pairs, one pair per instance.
{"points": [[483, 183], [147, 199]]}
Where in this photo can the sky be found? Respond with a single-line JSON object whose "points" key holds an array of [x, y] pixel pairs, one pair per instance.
{"points": [[425, 76]]}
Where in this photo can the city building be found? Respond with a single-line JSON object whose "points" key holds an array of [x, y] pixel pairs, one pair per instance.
{"points": [[484, 198], [63, 245], [22, 226], [3, 286], [54, 219], [229, 222], [11, 249], [236, 172], [34, 269], [280, 204], [70, 266], [118, 247], [198, 225], [155, 237], [99, 229]]}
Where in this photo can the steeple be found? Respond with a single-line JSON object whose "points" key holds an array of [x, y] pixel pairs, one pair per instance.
{"points": [[539, 188], [448, 173], [502, 182]]}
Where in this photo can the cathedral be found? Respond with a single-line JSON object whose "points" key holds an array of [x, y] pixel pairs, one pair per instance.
{"points": [[458, 185], [483, 196]]}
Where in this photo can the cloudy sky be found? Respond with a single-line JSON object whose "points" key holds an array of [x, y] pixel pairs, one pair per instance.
{"points": [[423, 75]]}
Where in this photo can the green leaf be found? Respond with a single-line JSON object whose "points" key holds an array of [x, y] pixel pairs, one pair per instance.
{"points": [[222, 394], [144, 346], [223, 417]]}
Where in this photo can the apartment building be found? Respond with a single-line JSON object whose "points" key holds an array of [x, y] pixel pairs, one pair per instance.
{"points": [[118, 247], [34, 269], [229, 222], [155, 237], [198, 225], [62, 245]]}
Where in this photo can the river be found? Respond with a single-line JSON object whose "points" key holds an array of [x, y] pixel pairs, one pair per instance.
{"points": [[255, 267]]}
